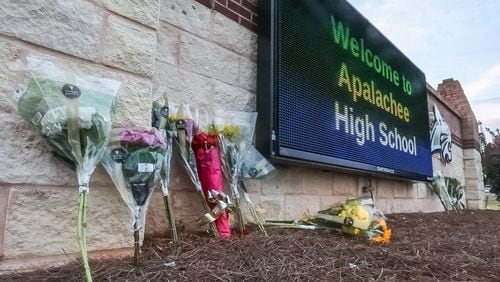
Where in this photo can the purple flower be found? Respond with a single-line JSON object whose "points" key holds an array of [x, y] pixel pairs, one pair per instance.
{"points": [[140, 136]]}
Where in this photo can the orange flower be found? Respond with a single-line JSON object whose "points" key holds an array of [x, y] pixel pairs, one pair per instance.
{"points": [[386, 236]]}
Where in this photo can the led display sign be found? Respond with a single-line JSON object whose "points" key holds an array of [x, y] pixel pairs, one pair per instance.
{"points": [[334, 92]]}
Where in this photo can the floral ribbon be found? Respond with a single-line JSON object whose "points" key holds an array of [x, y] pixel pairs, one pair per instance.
{"points": [[222, 204]]}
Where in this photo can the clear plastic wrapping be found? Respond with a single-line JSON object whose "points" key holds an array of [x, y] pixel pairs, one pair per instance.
{"points": [[134, 160], [71, 110]]}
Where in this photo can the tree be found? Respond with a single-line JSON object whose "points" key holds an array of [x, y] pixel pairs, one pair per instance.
{"points": [[490, 158]]}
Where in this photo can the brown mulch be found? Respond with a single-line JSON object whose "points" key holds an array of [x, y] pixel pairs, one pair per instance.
{"points": [[424, 247]]}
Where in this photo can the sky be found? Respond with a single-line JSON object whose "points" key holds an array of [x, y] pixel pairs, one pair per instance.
{"points": [[457, 39]]}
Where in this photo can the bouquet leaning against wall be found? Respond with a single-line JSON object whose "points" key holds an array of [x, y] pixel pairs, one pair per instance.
{"points": [[72, 112], [160, 115], [134, 159]]}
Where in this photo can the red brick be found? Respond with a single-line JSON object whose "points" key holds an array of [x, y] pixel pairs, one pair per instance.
{"points": [[222, 2], [255, 19], [226, 12], [206, 3], [248, 24], [249, 5], [239, 9]]}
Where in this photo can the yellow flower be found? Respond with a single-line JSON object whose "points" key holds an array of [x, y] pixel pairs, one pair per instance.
{"points": [[231, 131]]}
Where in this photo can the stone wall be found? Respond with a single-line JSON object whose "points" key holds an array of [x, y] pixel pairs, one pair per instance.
{"points": [[38, 195], [201, 52]]}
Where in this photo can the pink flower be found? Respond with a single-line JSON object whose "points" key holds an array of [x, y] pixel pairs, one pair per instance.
{"points": [[140, 136]]}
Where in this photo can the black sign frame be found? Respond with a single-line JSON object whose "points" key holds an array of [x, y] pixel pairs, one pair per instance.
{"points": [[267, 131]]}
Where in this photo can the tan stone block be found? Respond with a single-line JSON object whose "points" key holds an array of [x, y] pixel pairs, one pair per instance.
{"points": [[403, 189], [168, 42], [385, 188], [259, 207], [235, 37], [432, 204], [406, 205], [182, 86], [247, 75], [188, 15], [156, 220], [204, 57], [384, 205], [476, 204], [109, 221], [72, 27], [27, 156], [330, 201], [229, 97], [253, 186], [297, 205], [286, 181], [270, 207], [187, 203], [133, 103], [144, 11], [422, 190], [4, 206], [9, 53], [365, 182], [345, 184], [129, 46], [317, 182]]}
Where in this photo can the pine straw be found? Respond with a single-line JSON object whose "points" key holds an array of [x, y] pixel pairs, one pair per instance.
{"points": [[424, 247]]}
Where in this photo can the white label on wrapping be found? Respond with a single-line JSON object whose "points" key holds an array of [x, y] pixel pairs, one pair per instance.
{"points": [[145, 167], [36, 118]]}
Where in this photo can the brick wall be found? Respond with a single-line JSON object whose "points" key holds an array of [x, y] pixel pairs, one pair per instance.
{"points": [[243, 12]]}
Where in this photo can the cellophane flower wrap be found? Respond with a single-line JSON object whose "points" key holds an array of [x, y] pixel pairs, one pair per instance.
{"points": [[182, 128], [134, 159], [236, 130], [160, 120], [72, 111], [206, 150], [355, 217]]}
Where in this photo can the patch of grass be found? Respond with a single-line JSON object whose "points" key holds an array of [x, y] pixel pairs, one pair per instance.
{"points": [[492, 203]]}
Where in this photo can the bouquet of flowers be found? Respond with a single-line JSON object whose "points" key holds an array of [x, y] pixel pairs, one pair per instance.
{"points": [[133, 160], [450, 192], [72, 112], [236, 131], [182, 127], [160, 115], [356, 217], [254, 166], [208, 164]]}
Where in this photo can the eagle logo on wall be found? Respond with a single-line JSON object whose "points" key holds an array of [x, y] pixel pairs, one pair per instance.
{"points": [[441, 137]]}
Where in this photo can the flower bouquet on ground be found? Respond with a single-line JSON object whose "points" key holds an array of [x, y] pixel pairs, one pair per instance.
{"points": [[72, 112], [356, 217], [160, 115], [236, 131], [133, 159], [450, 192], [182, 127]]}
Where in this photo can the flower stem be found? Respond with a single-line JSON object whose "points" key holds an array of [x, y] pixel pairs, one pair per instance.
{"points": [[239, 216], [171, 219], [81, 233], [137, 248]]}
